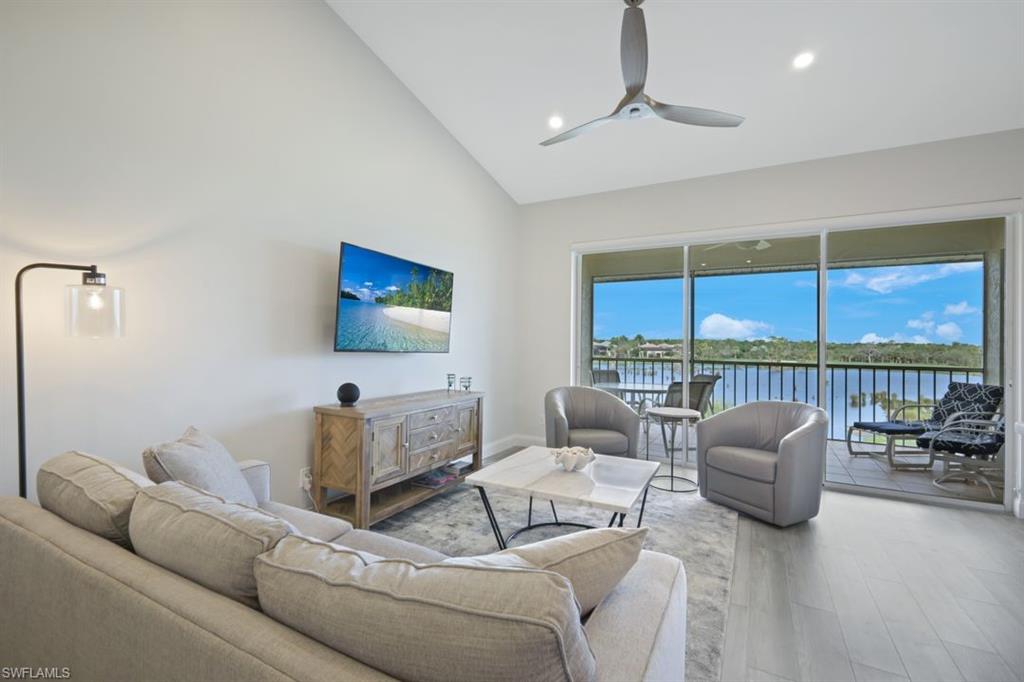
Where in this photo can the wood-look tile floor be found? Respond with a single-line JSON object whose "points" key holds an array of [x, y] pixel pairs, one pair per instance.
{"points": [[877, 589]]}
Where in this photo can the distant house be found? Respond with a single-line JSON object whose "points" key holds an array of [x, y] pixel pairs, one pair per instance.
{"points": [[602, 348], [659, 350]]}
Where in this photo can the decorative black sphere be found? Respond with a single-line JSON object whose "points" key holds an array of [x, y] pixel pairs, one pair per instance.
{"points": [[348, 394]]}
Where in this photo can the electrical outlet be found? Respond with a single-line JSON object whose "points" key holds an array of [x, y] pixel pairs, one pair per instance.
{"points": [[306, 478]]}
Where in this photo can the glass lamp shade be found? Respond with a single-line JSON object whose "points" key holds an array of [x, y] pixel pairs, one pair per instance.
{"points": [[95, 311]]}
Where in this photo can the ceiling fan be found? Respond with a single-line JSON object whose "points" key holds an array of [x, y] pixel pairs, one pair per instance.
{"points": [[755, 245], [636, 103]]}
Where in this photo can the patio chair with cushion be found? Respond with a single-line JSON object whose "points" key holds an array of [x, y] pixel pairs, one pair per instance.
{"points": [[702, 387], [607, 377], [971, 450], [962, 401]]}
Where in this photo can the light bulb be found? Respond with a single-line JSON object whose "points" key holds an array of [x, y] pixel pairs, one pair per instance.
{"points": [[555, 122], [803, 60], [95, 301]]}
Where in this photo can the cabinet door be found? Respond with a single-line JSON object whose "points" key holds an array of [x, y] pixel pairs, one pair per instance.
{"points": [[388, 449], [467, 428]]}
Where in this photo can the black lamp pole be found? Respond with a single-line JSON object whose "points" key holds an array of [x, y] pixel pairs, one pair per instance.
{"points": [[20, 345]]}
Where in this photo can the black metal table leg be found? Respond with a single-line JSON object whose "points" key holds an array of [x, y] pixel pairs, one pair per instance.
{"points": [[643, 505], [493, 520], [553, 512]]}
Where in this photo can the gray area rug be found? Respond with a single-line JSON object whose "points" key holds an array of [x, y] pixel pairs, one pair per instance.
{"points": [[700, 533]]}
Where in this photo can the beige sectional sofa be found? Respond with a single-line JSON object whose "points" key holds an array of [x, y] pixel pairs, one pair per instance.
{"points": [[78, 600]]}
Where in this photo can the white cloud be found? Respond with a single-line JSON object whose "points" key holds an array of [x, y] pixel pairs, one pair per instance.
{"points": [[925, 323], [853, 279], [906, 276], [872, 337], [953, 268], [367, 284], [719, 326], [960, 308], [949, 331]]}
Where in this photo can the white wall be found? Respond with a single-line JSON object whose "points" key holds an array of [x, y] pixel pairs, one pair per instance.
{"points": [[961, 171], [210, 157]]}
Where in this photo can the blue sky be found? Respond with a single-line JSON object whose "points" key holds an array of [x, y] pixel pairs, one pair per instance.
{"points": [[369, 274], [910, 303]]}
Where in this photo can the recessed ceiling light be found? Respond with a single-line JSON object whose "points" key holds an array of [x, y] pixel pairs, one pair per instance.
{"points": [[555, 122], [749, 261], [803, 60], [703, 265]]}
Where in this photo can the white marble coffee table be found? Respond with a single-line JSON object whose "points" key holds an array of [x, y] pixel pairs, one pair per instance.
{"points": [[609, 483]]}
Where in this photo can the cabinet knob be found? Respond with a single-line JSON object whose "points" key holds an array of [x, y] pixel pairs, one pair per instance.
{"points": [[460, 430], [433, 417], [405, 444], [433, 436]]}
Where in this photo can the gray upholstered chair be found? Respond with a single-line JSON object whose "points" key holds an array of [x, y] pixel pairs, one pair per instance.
{"points": [[765, 458], [591, 418]]}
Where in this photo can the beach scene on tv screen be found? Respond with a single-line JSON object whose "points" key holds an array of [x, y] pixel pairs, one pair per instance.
{"points": [[391, 304]]}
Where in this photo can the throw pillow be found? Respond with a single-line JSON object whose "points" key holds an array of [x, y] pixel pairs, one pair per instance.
{"points": [[199, 460], [594, 561]]}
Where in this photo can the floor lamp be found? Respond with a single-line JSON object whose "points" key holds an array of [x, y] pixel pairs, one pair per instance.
{"points": [[92, 310]]}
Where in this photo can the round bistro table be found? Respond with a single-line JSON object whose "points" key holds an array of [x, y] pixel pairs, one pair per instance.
{"points": [[672, 416]]}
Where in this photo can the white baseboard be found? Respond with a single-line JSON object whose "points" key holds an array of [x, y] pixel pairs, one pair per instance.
{"points": [[514, 440]]}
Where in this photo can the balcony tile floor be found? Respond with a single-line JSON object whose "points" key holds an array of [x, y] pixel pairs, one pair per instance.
{"points": [[840, 467]]}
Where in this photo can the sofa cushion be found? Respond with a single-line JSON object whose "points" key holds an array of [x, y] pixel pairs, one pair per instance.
{"points": [[90, 492], [602, 441], [388, 547], [594, 561], [199, 460], [456, 620], [308, 523], [757, 465], [204, 537]]}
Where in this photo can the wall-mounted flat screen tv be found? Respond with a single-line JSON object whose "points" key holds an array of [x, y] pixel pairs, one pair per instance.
{"points": [[391, 305]]}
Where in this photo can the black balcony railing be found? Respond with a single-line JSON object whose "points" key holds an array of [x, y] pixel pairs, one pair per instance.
{"points": [[853, 391]]}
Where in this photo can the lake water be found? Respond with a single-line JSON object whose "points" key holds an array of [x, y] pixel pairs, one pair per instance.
{"points": [[848, 391], [363, 326]]}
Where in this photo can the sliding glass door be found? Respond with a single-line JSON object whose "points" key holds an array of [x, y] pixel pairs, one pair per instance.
{"points": [[908, 312]]}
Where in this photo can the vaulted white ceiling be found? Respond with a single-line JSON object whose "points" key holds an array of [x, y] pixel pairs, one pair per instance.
{"points": [[887, 74]]}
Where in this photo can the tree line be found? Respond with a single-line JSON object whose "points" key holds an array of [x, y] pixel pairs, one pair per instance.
{"points": [[432, 293], [777, 349]]}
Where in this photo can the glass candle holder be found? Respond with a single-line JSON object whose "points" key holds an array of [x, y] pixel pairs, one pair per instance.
{"points": [[466, 382], [451, 381]]}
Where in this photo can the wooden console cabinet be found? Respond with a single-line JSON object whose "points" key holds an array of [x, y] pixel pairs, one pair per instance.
{"points": [[372, 449]]}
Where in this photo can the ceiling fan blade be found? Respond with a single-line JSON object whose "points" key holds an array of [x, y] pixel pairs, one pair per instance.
{"points": [[633, 48], [695, 116], [578, 130]]}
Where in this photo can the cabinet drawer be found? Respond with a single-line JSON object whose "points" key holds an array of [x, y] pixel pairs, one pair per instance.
{"points": [[431, 457], [430, 436], [418, 420]]}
